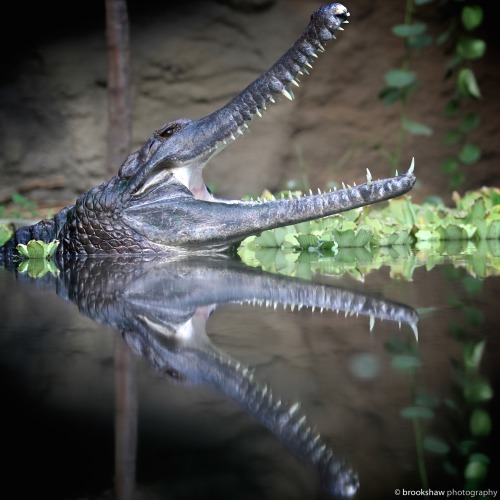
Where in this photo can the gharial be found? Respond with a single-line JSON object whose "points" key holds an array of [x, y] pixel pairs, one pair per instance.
{"points": [[158, 202]]}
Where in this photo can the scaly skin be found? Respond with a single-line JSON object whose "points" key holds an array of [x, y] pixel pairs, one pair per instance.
{"points": [[161, 306], [158, 202]]}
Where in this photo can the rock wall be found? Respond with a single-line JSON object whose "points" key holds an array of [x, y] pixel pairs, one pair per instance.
{"points": [[189, 58]]}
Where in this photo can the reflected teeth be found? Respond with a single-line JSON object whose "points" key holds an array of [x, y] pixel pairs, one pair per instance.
{"points": [[258, 112]]}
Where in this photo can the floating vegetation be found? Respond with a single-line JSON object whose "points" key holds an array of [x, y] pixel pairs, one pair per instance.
{"points": [[37, 249], [36, 258], [364, 239]]}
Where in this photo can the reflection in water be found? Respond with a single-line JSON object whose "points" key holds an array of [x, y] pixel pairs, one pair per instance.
{"points": [[162, 308]]}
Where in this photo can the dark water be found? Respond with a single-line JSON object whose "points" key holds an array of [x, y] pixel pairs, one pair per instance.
{"points": [[84, 417]]}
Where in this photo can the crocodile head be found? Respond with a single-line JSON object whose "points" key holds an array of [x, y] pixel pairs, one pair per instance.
{"points": [[159, 201]]}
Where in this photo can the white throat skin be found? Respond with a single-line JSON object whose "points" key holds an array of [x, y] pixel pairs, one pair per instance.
{"points": [[192, 177]]}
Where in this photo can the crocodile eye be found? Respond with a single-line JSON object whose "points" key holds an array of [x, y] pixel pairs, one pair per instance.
{"points": [[168, 132]]}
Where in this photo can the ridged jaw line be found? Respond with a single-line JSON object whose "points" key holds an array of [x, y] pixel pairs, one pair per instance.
{"points": [[193, 143]]}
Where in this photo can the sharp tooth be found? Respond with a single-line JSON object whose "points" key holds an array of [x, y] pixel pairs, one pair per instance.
{"points": [[300, 72], [287, 94], [296, 83], [397, 173], [319, 191], [343, 185], [310, 192], [294, 408], [345, 22], [368, 177], [415, 330], [273, 197], [258, 112], [314, 55], [308, 65], [271, 98], [400, 325], [349, 186], [240, 131], [335, 188], [347, 14], [305, 70], [245, 125], [320, 47], [340, 28], [412, 167], [372, 322]]}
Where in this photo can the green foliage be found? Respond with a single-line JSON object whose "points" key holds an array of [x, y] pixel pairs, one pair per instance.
{"points": [[466, 48], [37, 249], [5, 233], [402, 234], [402, 82], [36, 257]]}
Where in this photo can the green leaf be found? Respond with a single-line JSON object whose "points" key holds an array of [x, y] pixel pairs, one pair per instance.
{"points": [[470, 153], [399, 78], [405, 362], [471, 48], [452, 137], [416, 128], [390, 95], [407, 30], [37, 249], [417, 412], [443, 38], [449, 166], [267, 240], [5, 234], [451, 108], [476, 471], [435, 445], [307, 241], [480, 423], [467, 84], [420, 41], [472, 16], [469, 122]]}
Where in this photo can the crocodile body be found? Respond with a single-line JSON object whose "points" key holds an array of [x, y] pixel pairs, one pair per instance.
{"points": [[158, 201]]}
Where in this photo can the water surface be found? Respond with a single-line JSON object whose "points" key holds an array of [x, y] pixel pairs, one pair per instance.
{"points": [[90, 407]]}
